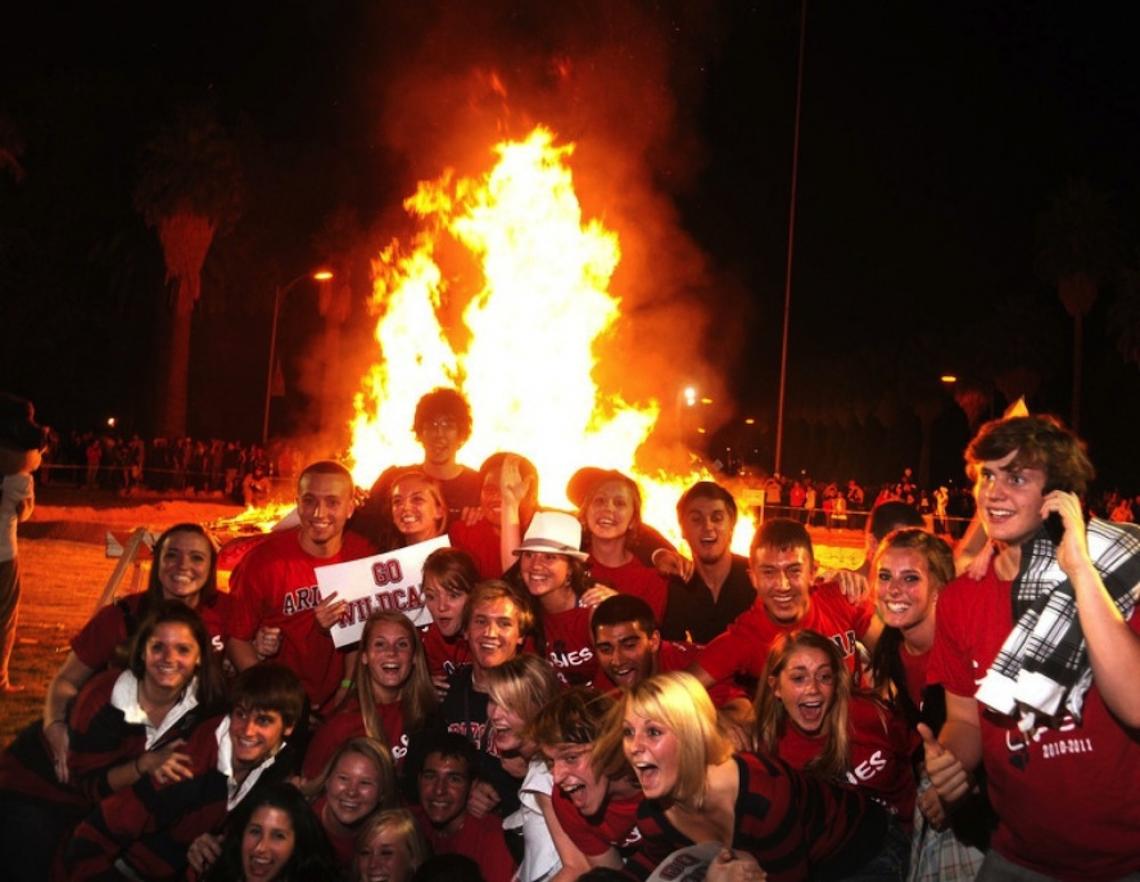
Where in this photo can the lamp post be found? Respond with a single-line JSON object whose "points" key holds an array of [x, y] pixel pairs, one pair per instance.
{"points": [[791, 241], [322, 275]]}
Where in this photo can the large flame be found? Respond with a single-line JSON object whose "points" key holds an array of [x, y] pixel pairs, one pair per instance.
{"points": [[528, 368]]}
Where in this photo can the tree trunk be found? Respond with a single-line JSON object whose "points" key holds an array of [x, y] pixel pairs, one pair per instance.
{"points": [[172, 423]]}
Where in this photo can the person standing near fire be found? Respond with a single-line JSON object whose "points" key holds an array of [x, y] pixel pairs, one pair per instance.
{"points": [[442, 425], [21, 443], [277, 609]]}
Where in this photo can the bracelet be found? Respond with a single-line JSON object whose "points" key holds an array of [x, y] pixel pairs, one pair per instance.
{"points": [[53, 722], [138, 771], [345, 683]]}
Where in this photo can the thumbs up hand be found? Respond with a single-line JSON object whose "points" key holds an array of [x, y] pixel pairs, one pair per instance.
{"points": [[947, 775]]}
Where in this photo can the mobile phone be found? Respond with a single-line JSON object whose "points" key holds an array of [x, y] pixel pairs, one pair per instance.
{"points": [[1055, 527]]}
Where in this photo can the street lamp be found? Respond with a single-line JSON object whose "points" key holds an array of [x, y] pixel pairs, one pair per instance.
{"points": [[321, 275]]}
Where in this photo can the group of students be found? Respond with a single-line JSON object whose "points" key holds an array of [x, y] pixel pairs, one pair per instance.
{"points": [[554, 721]]}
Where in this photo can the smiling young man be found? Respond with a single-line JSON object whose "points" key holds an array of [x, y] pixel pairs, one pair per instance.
{"points": [[442, 425], [444, 782], [144, 831], [598, 813], [719, 590], [497, 619], [275, 588], [782, 569], [1039, 661]]}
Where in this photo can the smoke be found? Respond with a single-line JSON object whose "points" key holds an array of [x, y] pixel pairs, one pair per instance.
{"points": [[623, 81]]}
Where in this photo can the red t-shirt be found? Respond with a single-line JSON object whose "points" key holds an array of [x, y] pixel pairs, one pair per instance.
{"points": [[445, 655], [481, 541], [914, 666], [634, 578], [569, 648], [613, 827], [1064, 795], [480, 839], [95, 644], [343, 847], [878, 760], [743, 647], [349, 723], [276, 587]]}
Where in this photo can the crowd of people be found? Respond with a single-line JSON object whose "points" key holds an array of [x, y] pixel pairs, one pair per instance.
{"points": [[587, 701], [234, 470]]}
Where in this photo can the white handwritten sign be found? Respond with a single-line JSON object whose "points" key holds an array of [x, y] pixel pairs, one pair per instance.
{"points": [[393, 580]]}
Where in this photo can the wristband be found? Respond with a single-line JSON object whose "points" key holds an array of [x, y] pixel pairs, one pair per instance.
{"points": [[53, 722], [344, 684]]}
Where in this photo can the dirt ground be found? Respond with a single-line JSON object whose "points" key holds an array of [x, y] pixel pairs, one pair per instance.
{"points": [[64, 569]]}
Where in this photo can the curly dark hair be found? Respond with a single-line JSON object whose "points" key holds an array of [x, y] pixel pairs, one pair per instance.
{"points": [[442, 402], [1042, 442]]}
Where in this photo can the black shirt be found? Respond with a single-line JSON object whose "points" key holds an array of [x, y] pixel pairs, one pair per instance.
{"points": [[691, 607]]}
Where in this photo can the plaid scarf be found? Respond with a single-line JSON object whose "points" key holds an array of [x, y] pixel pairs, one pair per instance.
{"points": [[1043, 664]]}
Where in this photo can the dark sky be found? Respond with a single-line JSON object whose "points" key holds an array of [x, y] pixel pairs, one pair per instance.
{"points": [[933, 135]]}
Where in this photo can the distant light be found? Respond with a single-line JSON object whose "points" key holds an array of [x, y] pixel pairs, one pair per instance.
{"points": [[706, 401], [751, 421], [690, 394], [948, 379], [701, 430], [111, 422], [322, 275]]}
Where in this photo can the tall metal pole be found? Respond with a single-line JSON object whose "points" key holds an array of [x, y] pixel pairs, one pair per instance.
{"points": [[791, 243], [269, 371]]}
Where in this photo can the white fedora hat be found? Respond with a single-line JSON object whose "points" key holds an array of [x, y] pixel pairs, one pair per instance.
{"points": [[554, 532]]}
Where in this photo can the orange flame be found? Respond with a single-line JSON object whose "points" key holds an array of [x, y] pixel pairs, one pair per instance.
{"points": [[527, 370]]}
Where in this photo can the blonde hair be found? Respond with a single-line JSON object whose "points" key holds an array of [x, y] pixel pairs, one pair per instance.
{"points": [[679, 701], [525, 684], [497, 589], [370, 749], [418, 698], [772, 717], [403, 825]]}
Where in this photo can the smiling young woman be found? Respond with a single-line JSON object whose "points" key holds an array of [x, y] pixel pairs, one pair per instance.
{"points": [[394, 693], [390, 848], [273, 836], [123, 726], [357, 782]]}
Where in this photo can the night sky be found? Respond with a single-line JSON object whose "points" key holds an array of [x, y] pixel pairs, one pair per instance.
{"points": [[933, 138]]}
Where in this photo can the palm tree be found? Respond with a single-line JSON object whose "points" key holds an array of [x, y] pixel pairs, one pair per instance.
{"points": [[1076, 239], [189, 187]]}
